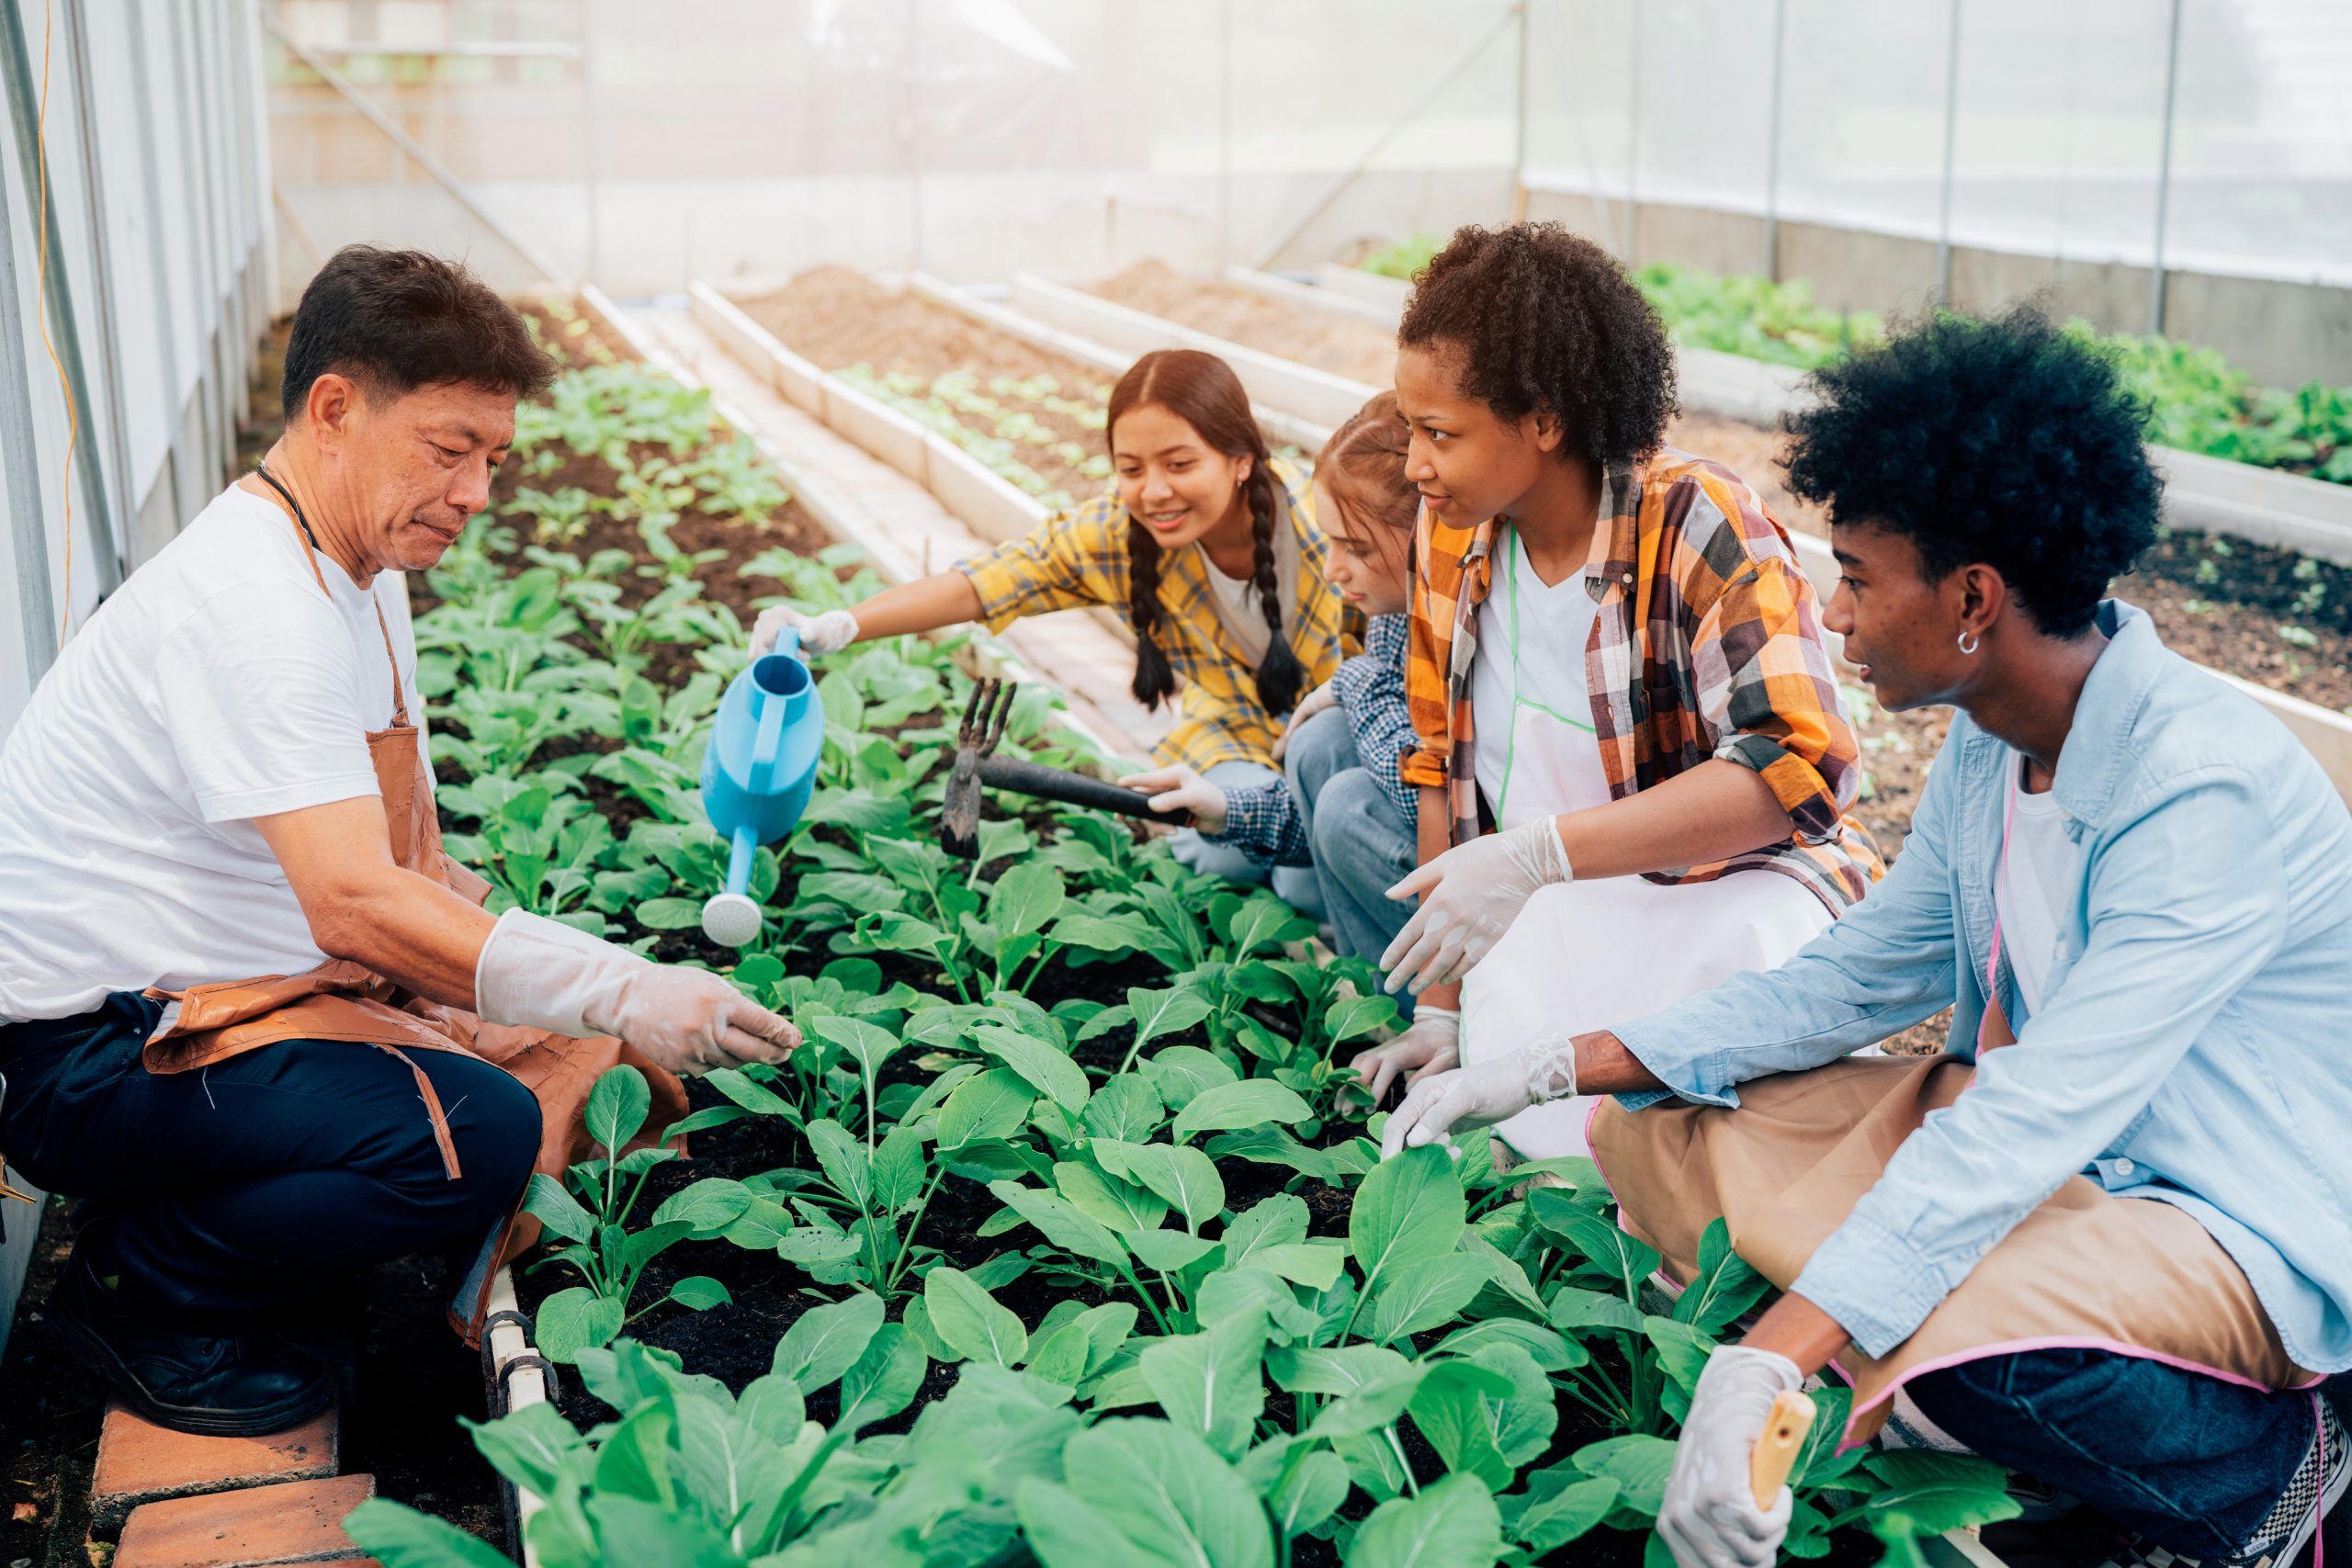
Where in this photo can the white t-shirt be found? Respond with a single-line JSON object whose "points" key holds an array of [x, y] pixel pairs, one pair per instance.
{"points": [[1238, 606], [1532, 715], [217, 686], [2039, 875]]}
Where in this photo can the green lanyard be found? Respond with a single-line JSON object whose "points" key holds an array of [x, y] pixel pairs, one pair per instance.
{"points": [[1510, 742]]}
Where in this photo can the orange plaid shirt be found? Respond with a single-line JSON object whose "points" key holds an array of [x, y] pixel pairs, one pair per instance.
{"points": [[1707, 645]]}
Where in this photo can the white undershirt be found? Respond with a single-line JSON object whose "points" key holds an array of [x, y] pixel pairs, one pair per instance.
{"points": [[217, 686], [1238, 606], [2039, 874], [1532, 715]]}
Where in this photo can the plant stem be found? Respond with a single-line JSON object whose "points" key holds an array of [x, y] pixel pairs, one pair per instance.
{"points": [[1128, 1273], [1389, 1432], [907, 1241]]}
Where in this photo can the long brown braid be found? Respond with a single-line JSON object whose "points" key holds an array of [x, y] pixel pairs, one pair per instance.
{"points": [[1201, 390]]}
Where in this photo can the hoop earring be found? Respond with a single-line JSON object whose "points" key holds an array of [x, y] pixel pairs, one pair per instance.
{"points": [[1968, 644]]}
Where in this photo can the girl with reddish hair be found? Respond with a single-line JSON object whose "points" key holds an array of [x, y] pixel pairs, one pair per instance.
{"points": [[1206, 545]]}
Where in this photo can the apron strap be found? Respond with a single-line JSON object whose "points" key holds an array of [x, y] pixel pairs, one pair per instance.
{"points": [[311, 555]]}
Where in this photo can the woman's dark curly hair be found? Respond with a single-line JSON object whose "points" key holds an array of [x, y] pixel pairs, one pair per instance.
{"points": [[2004, 441], [1545, 320]]}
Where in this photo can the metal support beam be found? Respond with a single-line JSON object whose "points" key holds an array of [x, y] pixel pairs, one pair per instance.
{"points": [[110, 360], [433, 168], [1412, 111], [1951, 144], [186, 483], [28, 522], [1772, 145], [23, 96], [2164, 178]]}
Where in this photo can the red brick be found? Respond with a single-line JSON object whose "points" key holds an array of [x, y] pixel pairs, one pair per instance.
{"points": [[142, 1462], [255, 1527]]}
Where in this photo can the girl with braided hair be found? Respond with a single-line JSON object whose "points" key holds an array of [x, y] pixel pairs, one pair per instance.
{"points": [[1206, 545]]}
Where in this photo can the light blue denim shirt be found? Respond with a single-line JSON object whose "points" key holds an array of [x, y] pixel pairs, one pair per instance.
{"points": [[2195, 1039]]}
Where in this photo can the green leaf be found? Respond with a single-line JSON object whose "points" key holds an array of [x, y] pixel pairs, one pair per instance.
{"points": [[1315, 1264], [1453, 1524], [1169, 1251], [970, 1321], [668, 914], [898, 1166], [1025, 897], [1574, 1307], [1630, 1261], [1560, 1517], [826, 1341], [1317, 1485], [708, 1206], [867, 1044], [1169, 1010], [1421, 1295], [747, 1092], [1682, 1351], [1409, 1209], [1182, 1174], [1165, 1499], [699, 1292], [993, 1105], [1723, 1287], [1209, 1383], [1637, 1463], [1125, 1206], [1923, 1493], [1061, 1222], [1352, 1018], [557, 1208], [1548, 1350], [1449, 1407], [842, 1157], [1126, 1107], [1249, 1103], [617, 1107], [884, 1378], [574, 1320], [1051, 1071], [530, 1446], [1270, 1221], [399, 1537], [1180, 1072]]}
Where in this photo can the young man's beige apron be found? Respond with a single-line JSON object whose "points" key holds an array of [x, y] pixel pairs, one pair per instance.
{"points": [[341, 1001], [1584, 954], [2086, 1269]]}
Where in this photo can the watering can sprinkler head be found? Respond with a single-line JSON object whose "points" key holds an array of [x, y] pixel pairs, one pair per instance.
{"points": [[758, 772], [978, 766]]}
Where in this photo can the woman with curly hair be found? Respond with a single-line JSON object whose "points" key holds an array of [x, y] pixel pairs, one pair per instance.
{"points": [[1635, 762], [1206, 546], [2104, 1238]]}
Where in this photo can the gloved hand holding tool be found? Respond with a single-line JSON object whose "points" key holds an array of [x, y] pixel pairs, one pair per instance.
{"points": [[1727, 1502], [979, 766], [829, 631]]}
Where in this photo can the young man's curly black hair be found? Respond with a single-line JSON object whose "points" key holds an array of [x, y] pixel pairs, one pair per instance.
{"points": [[2004, 441], [1544, 319]]}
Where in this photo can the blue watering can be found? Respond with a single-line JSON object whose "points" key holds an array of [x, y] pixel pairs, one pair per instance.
{"points": [[757, 774]]}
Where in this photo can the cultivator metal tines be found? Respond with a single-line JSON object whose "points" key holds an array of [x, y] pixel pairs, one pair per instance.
{"points": [[978, 766]]}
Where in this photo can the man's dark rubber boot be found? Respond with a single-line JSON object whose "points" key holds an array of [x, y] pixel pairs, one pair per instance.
{"points": [[217, 1386]]}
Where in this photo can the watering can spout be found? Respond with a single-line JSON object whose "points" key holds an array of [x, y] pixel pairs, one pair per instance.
{"points": [[757, 774]]}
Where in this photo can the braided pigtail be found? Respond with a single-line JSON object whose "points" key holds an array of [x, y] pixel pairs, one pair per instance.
{"points": [[1155, 680], [1280, 675]]}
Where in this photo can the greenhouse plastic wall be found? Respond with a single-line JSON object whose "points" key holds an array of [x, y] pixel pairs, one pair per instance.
{"points": [[156, 289], [975, 137]]}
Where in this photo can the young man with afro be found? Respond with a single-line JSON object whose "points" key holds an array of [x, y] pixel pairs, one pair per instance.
{"points": [[2105, 1238]]}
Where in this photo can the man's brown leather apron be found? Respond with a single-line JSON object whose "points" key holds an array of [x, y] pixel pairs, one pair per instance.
{"points": [[342, 1000], [2086, 1269]]}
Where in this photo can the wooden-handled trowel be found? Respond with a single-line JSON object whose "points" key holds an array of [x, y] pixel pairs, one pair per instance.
{"points": [[978, 766]]}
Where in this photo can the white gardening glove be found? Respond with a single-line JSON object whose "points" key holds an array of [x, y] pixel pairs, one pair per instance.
{"points": [[1709, 1519], [826, 633], [1481, 1094], [1314, 702], [545, 975], [1180, 789], [1476, 890], [1430, 1045]]}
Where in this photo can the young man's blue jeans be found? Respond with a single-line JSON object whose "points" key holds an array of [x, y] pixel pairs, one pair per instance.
{"points": [[2193, 1463], [1362, 844]]}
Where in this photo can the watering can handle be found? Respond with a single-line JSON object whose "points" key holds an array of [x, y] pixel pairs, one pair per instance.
{"points": [[769, 742]]}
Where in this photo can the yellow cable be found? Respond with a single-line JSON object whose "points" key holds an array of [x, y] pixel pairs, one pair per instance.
{"points": [[41, 315]]}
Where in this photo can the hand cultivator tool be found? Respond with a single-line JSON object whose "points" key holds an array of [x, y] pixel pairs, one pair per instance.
{"points": [[979, 766]]}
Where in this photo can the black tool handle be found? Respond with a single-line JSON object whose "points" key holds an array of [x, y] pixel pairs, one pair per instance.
{"points": [[1072, 789]]}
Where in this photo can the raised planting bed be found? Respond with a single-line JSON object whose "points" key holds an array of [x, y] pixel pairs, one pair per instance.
{"points": [[1058, 1236]]}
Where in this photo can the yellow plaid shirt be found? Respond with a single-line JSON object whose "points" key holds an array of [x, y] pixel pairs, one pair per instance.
{"points": [[1078, 558]]}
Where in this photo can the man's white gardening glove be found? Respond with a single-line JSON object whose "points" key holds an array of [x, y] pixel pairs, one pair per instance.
{"points": [[1709, 1519], [1481, 1094], [1180, 789], [1314, 702], [546, 975], [826, 633], [1431, 1044], [1476, 890]]}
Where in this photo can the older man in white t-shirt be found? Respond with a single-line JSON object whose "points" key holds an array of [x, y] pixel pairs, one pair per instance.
{"points": [[213, 785]]}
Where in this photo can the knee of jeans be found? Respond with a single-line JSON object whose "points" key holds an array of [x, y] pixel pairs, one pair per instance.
{"points": [[495, 1128], [1324, 745], [1350, 813]]}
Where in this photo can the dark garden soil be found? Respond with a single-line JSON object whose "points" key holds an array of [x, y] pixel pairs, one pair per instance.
{"points": [[837, 317]]}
